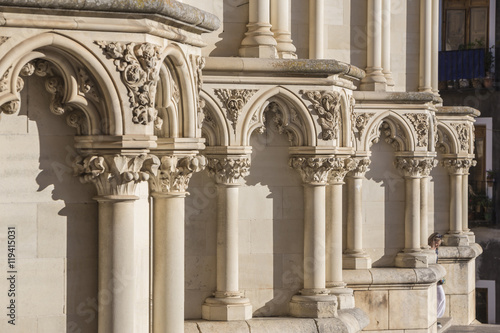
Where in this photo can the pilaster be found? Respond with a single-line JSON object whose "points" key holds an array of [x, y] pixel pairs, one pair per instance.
{"points": [[228, 302], [314, 300], [354, 255], [168, 183]]}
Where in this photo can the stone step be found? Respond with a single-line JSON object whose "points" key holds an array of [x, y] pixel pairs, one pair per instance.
{"points": [[445, 324]]}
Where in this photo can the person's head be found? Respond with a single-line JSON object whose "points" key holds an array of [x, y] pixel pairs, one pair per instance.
{"points": [[435, 240]]}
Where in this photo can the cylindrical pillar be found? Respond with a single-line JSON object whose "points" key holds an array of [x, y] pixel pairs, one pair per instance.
{"points": [[455, 203], [386, 43], [168, 262], [314, 236], [435, 46], [412, 214], [316, 29], [424, 209], [259, 41], [465, 202], [117, 268], [425, 46], [280, 22], [334, 235]]}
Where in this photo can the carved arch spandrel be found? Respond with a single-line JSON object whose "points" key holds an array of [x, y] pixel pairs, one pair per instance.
{"points": [[294, 111], [391, 127], [215, 128], [446, 141], [53, 47]]}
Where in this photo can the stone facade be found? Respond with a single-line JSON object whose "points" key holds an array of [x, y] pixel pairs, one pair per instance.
{"points": [[222, 166]]}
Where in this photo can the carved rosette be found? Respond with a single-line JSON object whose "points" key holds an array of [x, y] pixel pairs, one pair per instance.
{"points": [[414, 166], [458, 166], [174, 172], [463, 134], [228, 170], [233, 101], [114, 174], [313, 170], [339, 168], [138, 64], [361, 120], [362, 165], [420, 122], [327, 106]]}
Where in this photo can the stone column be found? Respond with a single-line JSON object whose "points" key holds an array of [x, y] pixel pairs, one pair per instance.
{"points": [[259, 41], [435, 47], [412, 256], [316, 29], [427, 166], [280, 22], [354, 255], [168, 185], [116, 178], [334, 280], [386, 43], [228, 302], [456, 169], [425, 46], [465, 200], [314, 301], [374, 79]]}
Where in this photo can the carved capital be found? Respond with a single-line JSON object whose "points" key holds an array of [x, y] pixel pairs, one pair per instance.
{"points": [[420, 123], [113, 174], [234, 100], [174, 172], [458, 166], [339, 168], [327, 106], [313, 170], [361, 167], [414, 166], [138, 64], [227, 170]]}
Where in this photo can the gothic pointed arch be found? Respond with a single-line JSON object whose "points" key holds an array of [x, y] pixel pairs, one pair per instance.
{"points": [[215, 129], [446, 141], [80, 85], [290, 114]]}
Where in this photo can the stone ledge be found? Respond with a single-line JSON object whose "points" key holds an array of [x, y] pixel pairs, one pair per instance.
{"points": [[396, 97], [458, 110], [348, 321], [457, 253], [393, 277]]}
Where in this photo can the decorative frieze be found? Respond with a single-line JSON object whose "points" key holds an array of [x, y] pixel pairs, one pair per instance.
{"points": [[458, 165], [174, 172], [327, 105], [414, 166], [114, 174], [463, 134], [233, 101], [420, 123], [227, 170], [138, 64], [313, 170]]}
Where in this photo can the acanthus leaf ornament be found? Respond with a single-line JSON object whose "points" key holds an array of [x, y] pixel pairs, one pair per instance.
{"points": [[234, 100], [362, 165], [458, 166], [463, 133], [228, 169], [327, 106], [313, 170], [138, 64], [339, 167], [414, 166], [174, 173], [420, 122]]}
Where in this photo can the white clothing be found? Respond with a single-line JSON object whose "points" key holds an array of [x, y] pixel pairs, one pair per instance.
{"points": [[441, 301]]}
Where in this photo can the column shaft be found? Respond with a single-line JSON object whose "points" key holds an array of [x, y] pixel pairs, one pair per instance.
{"points": [[316, 29], [386, 42], [168, 262], [435, 46], [425, 45], [456, 203], [424, 210], [280, 22], [465, 202], [334, 235], [314, 237], [412, 214], [259, 41], [117, 269]]}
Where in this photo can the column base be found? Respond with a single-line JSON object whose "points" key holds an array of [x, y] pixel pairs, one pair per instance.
{"points": [[470, 235], [374, 80], [356, 261], [258, 51], [411, 260], [431, 256], [456, 239], [226, 309], [345, 297], [318, 306]]}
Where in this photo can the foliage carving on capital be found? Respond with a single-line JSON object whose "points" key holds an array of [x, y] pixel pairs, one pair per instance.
{"points": [[458, 166], [362, 165], [414, 166], [327, 106], [112, 174], [174, 172], [339, 167], [234, 100], [138, 64], [420, 122], [227, 170], [313, 170], [463, 134]]}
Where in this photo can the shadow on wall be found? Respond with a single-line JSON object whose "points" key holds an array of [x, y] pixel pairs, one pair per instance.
{"points": [[67, 225], [233, 28], [358, 34]]}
